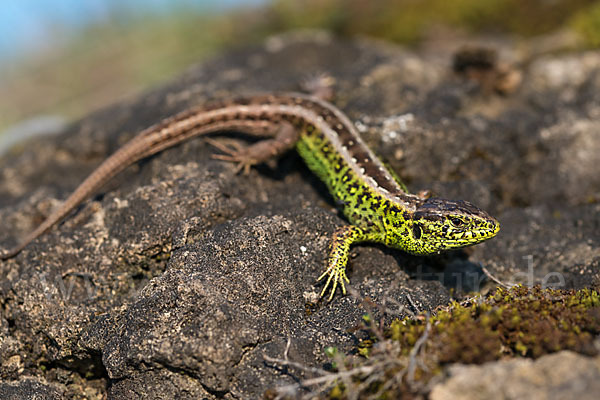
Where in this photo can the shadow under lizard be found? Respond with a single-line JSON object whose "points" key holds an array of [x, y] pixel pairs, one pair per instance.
{"points": [[377, 205]]}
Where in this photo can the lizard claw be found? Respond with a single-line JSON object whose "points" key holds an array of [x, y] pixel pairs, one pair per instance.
{"points": [[234, 155], [338, 275]]}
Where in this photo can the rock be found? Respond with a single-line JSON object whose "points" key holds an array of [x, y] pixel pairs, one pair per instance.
{"points": [[180, 276], [564, 375], [29, 389]]}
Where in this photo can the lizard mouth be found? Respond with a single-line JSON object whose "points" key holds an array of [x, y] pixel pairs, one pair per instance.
{"points": [[467, 238]]}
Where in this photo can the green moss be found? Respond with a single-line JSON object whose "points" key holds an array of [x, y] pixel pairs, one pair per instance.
{"points": [[587, 24], [521, 321], [516, 322]]}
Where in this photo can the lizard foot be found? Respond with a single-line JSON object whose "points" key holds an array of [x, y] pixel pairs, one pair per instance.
{"points": [[336, 274], [235, 154]]}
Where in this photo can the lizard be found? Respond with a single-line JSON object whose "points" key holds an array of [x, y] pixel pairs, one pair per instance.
{"points": [[375, 202]]}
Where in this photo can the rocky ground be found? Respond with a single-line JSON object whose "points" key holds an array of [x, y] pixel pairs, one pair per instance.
{"points": [[180, 276]]}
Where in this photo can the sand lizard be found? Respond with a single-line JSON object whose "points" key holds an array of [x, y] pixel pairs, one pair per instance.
{"points": [[374, 201]]}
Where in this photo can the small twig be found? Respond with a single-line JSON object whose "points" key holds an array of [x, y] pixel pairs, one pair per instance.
{"points": [[325, 377], [365, 369], [390, 356], [476, 299], [493, 278], [412, 364], [396, 379], [369, 304], [400, 308], [301, 367], [340, 362], [287, 349], [412, 303]]}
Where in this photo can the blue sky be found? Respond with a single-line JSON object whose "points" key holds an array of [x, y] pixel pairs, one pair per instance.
{"points": [[27, 25]]}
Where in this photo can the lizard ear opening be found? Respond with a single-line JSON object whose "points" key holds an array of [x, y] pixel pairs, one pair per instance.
{"points": [[416, 228]]}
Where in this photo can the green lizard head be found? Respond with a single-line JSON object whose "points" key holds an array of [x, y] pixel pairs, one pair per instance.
{"points": [[439, 224]]}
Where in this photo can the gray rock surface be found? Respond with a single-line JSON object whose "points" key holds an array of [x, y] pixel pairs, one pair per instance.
{"points": [[28, 388], [180, 276]]}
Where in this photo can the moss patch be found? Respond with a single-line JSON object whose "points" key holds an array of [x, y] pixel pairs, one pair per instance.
{"points": [[516, 322]]}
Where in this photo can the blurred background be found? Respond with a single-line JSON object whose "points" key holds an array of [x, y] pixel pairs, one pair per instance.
{"points": [[60, 59]]}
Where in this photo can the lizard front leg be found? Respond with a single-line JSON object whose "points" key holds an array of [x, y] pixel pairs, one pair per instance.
{"points": [[339, 249]]}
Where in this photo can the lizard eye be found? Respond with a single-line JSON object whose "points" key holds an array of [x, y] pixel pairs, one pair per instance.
{"points": [[457, 222]]}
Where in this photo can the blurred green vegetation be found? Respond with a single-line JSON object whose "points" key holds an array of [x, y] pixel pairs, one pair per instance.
{"points": [[107, 62], [406, 21], [586, 22]]}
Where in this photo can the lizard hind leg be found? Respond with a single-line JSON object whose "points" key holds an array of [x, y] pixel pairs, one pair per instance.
{"points": [[283, 138]]}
